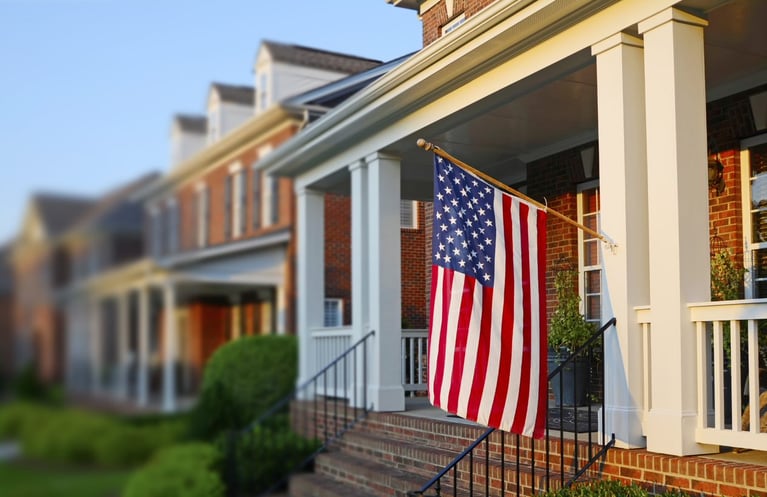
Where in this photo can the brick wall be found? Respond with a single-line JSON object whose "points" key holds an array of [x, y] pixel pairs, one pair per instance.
{"points": [[729, 121], [338, 251], [433, 19], [554, 180], [414, 302]]}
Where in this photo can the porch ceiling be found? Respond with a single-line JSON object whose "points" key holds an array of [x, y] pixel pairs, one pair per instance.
{"points": [[556, 109]]}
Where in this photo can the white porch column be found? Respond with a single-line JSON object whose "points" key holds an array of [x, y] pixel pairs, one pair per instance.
{"points": [[310, 281], [123, 337], [95, 321], [623, 216], [360, 273], [280, 304], [170, 348], [678, 221], [142, 361], [385, 390]]}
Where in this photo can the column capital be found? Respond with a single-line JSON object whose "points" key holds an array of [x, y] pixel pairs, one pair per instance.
{"points": [[379, 155], [616, 40], [669, 15], [359, 164], [303, 191]]}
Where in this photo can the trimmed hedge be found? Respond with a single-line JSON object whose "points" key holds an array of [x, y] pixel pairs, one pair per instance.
{"points": [[242, 380], [187, 470], [80, 437]]}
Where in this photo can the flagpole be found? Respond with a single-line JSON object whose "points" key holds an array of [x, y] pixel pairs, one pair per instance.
{"points": [[428, 146]]}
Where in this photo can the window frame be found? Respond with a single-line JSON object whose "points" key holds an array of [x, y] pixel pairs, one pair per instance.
{"points": [[339, 312], [749, 247], [583, 269], [414, 214]]}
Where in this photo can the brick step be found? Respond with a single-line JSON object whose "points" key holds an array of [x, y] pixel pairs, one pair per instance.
{"points": [[314, 485], [372, 476], [415, 457]]}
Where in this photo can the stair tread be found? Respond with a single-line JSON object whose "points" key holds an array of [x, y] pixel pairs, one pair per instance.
{"points": [[314, 485], [370, 471]]}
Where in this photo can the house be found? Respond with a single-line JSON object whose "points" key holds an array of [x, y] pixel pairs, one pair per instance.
{"points": [[643, 118], [218, 238], [6, 317]]}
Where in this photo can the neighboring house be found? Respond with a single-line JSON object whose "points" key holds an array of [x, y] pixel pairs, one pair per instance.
{"points": [[616, 113], [6, 316], [219, 235], [40, 267]]}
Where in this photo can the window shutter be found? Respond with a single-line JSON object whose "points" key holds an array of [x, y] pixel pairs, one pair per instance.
{"points": [[228, 207], [275, 201], [256, 199], [243, 201]]}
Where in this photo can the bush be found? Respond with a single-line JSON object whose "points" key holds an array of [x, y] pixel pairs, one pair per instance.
{"points": [[263, 456], [187, 470], [80, 437], [607, 488], [242, 380], [16, 416], [28, 386]]}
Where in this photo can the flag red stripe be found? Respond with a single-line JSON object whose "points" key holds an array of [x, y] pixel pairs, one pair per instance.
{"points": [[447, 285], [540, 422], [462, 335], [483, 352]]}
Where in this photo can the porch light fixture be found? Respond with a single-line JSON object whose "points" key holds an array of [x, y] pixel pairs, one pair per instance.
{"points": [[587, 160], [716, 175]]}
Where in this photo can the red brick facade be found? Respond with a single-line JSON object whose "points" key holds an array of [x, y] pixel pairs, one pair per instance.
{"points": [[436, 17]]}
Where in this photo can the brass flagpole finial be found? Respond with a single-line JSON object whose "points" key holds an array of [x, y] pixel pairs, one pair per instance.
{"points": [[428, 146]]}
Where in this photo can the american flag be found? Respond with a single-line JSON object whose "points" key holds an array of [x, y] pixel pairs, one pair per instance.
{"points": [[487, 336]]}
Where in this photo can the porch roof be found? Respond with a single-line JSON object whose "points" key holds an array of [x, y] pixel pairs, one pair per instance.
{"points": [[513, 84]]}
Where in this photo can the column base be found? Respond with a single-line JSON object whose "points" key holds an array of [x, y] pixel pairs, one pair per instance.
{"points": [[626, 424], [673, 433], [386, 399]]}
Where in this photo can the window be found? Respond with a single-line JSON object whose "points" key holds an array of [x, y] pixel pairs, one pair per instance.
{"points": [[334, 313], [156, 231], [214, 129], [203, 215], [453, 25], [408, 214], [588, 248], [172, 224], [228, 207], [271, 201], [754, 166], [256, 214], [262, 91], [237, 199], [242, 187]]}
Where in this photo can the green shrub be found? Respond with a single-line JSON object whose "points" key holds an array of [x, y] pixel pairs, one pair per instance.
{"points": [[608, 488], [243, 379], [262, 457], [187, 470], [28, 386], [67, 436], [14, 417]]}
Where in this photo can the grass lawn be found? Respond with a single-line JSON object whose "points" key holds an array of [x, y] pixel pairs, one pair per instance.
{"points": [[24, 480]]}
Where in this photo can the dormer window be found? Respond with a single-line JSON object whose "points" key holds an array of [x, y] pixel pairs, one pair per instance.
{"points": [[214, 125], [262, 91]]}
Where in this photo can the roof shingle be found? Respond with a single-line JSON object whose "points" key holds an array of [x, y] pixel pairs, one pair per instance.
{"points": [[317, 58]]}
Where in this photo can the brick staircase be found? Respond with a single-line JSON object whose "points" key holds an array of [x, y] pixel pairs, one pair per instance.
{"points": [[389, 454]]}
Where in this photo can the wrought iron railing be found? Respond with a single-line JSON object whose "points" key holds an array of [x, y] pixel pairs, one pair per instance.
{"points": [[333, 400], [524, 466]]}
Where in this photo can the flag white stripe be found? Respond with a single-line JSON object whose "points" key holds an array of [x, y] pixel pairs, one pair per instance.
{"points": [[434, 334], [496, 326], [453, 313], [472, 348], [535, 312], [517, 335]]}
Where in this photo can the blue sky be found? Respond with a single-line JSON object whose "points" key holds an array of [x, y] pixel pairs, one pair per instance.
{"points": [[89, 86]]}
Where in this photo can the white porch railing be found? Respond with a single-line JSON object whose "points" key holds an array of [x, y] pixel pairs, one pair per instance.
{"points": [[327, 345], [718, 422], [414, 354], [727, 380]]}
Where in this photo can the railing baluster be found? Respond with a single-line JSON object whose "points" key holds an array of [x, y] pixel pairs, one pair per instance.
{"points": [[487, 467], [503, 464], [519, 476]]}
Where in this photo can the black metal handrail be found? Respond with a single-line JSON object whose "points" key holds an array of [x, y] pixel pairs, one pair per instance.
{"points": [[333, 423], [527, 444]]}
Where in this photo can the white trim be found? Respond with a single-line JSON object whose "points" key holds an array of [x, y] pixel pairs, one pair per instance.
{"points": [[235, 167], [279, 237], [427, 5], [582, 268], [264, 150]]}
